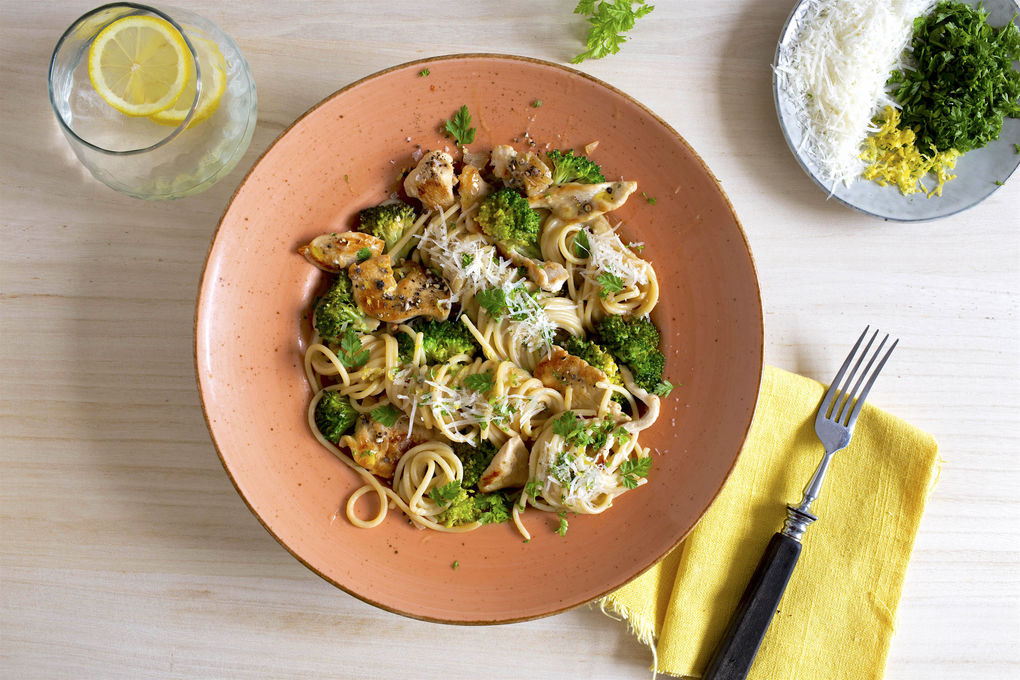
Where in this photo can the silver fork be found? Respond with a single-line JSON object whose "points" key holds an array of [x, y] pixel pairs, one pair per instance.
{"points": [[834, 426]]}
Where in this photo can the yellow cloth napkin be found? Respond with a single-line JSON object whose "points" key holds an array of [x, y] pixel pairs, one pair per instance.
{"points": [[837, 616]]}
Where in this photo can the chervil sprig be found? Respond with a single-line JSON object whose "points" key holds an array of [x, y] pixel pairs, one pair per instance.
{"points": [[609, 22], [460, 128]]}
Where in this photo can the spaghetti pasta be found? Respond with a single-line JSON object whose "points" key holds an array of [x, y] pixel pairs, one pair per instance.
{"points": [[469, 410]]}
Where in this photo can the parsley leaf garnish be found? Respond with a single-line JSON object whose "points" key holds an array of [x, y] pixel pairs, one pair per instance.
{"points": [[459, 127], [446, 493], [493, 300], [582, 246], [609, 22], [466, 259], [364, 254], [632, 469], [386, 415], [611, 283], [537, 103], [424, 72], [455, 565], [652, 200], [571, 428], [562, 529], [479, 382], [350, 353], [533, 488]]}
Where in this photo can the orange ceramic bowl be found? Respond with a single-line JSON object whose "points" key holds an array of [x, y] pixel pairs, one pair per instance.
{"points": [[347, 153]]}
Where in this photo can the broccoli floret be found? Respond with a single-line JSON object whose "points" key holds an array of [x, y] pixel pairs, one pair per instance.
{"points": [[337, 310], [627, 338], [389, 221], [568, 167], [596, 355], [648, 373], [635, 342], [463, 506], [443, 339], [334, 415], [507, 217], [474, 459]]}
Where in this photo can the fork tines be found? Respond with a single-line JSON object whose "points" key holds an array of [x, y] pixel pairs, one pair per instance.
{"points": [[842, 406]]}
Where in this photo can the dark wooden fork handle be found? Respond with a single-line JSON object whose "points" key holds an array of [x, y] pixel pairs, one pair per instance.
{"points": [[735, 653]]}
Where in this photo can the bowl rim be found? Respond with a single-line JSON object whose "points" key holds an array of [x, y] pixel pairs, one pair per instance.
{"points": [[759, 341]]}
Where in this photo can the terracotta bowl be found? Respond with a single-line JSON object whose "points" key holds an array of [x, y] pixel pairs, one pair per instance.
{"points": [[347, 153]]}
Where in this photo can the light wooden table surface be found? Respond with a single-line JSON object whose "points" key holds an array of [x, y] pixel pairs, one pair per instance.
{"points": [[126, 552]]}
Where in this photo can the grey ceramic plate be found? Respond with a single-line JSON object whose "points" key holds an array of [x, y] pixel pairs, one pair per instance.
{"points": [[977, 171]]}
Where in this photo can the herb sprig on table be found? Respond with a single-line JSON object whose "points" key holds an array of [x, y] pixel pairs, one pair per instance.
{"points": [[964, 83], [609, 20]]}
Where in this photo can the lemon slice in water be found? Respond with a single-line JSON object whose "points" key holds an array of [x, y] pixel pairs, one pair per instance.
{"points": [[140, 65], [213, 69]]}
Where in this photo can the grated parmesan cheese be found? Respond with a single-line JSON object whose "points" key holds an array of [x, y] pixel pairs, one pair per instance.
{"points": [[475, 265], [609, 255], [834, 71]]}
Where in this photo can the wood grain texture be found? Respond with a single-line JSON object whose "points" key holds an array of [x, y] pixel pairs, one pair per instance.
{"points": [[125, 550]]}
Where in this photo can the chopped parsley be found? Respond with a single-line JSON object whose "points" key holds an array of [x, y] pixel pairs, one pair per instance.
{"points": [[455, 565], [446, 493], [537, 103], [609, 22], [459, 127], [518, 302], [493, 300], [577, 432], [349, 352], [479, 382], [964, 83], [385, 415], [632, 469], [611, 283], [466, 259], [364, 254], [424, 72], [533, 489], [562, 528], [652, 200]]}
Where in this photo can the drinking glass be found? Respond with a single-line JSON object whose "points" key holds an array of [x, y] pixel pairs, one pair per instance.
{"points": [[135, 155]]}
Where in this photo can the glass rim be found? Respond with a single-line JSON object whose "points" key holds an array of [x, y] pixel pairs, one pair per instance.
{"points": [[173, 134]]}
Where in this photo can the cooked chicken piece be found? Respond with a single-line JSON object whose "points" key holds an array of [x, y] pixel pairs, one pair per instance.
{"points": [[549, 276], [561, 370], [472, 187], [572, 202], [525, 172], [380, 295], [377, 448], [431, 182], [508, 469], [650, 400], [336, 252]]}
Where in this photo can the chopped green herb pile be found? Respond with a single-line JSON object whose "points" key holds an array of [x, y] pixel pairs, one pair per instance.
{"points": [[609, 22], [964, 83]]}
